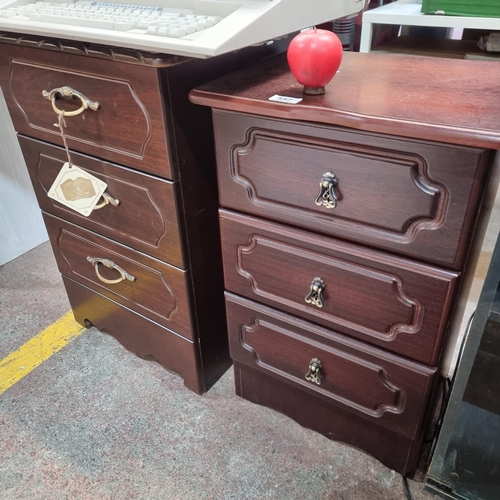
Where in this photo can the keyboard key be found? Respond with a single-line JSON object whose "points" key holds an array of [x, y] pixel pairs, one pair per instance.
{"points": [[124, 26], [176, 32], [87, 23]]}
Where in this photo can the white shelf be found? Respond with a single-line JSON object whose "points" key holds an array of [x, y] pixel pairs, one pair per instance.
{"points": [[407, 13]]}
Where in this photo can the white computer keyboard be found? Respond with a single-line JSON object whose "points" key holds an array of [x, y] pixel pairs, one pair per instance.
{"points": [[195, 28], [141, 19]]}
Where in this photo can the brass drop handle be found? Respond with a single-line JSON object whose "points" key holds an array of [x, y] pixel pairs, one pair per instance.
{"points": [[314, 373], [328, 194], [315, 295], [95, 261], [107, 200], [69, 92]]}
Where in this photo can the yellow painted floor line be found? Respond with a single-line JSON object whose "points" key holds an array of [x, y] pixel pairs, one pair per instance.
{"points": [[34, 352]]}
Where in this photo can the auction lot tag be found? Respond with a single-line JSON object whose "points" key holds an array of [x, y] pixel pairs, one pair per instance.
{"points": [[77, 189], [282, 98]]}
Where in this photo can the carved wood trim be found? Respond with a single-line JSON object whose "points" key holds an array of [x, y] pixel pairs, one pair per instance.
{"points": [[119, 54], [166, 313], [398, 400], [154, 244], [416, 310], [418, 171], [55, 131]]}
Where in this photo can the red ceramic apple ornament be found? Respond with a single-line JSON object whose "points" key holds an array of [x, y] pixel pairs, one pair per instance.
{"points": [[314, 56]]}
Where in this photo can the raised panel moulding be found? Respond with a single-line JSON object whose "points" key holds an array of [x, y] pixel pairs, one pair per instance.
{"points": [[164, 304], [156, 226], [264, 353], [100, 122], [410, 310], [426, 212]]}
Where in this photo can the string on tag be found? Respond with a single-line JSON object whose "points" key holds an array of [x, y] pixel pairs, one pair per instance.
{"points": [[61, 123]]}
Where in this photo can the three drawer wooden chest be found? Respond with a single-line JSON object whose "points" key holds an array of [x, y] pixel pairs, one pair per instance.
{"points": [[129, 123], [346, 225]]}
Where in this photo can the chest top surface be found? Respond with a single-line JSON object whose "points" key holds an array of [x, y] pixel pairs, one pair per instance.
{"points": [[446, 100]]}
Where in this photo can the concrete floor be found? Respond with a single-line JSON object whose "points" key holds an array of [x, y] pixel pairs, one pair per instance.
{"points": [[96, 422]]}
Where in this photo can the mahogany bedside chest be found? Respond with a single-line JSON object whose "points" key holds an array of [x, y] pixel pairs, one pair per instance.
{"points": [[346, 226], [145, 265]]}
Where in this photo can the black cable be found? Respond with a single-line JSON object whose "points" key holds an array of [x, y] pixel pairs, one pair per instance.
{"points": [[406, 488], [445, 392]]}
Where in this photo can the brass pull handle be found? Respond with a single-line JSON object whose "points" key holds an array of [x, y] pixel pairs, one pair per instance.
{"points": [[69, 92], [315, 295], [314, 373], [328, 194], [95, 261], [107, 200]]}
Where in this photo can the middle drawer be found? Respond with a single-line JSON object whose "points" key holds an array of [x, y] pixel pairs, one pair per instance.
{"points": [[146, 218], [389, 301], [148, 286]]}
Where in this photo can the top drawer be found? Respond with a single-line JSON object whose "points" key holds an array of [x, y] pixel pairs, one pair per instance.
{"points": [[412, 197], [128, 127]]}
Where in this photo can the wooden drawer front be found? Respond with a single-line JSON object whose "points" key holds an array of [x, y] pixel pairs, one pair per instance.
{"points": [[127, 128], [414, 198], [159, 291], [146, 218], [379, 386], [388, 301]]}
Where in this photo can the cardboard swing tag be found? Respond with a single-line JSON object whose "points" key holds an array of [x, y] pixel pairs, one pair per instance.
{"points": [[77, 189]]}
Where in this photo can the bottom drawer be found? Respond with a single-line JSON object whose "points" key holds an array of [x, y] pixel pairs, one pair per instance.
{"points": [[393, 450], [390, 391], [141, 336]]}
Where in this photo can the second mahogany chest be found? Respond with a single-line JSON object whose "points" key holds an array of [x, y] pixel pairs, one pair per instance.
{"points": [[346, 224]]}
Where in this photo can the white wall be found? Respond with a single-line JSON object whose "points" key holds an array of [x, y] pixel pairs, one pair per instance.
{"points": [[21, 224]]}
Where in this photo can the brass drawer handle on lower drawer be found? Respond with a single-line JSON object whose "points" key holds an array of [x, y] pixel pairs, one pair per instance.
{"points": [[328, 195], [315, 295], [314, 373], [69, 92], [95, 261], [108, 200]]}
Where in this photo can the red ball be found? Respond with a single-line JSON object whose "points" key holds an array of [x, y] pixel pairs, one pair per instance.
{"points": [[314, 56]]}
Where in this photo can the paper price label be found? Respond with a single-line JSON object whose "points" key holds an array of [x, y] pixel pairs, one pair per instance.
{"points": [[77, 189], [282, 98]]}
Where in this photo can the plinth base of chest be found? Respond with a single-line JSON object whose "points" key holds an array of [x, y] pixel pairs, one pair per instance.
{"points": [[145, 338]]}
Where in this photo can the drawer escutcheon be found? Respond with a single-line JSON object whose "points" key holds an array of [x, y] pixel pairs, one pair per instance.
{"points": [[328, 195], [314, 373], [315, 295]]}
